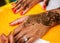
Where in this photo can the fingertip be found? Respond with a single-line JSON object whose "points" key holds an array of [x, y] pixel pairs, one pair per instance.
{"points": [[44, 6], [11, 24], [21, 12], [18, 21], [14, 10]]}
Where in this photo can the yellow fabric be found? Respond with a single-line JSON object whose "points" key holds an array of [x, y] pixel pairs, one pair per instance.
{"points": [[53, 35], [6, 16]]}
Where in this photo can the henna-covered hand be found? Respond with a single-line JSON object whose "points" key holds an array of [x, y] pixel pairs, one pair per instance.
{"points": [[35, 26]]}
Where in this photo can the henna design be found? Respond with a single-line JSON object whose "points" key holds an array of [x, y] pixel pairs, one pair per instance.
{"points": [[48, 18]]}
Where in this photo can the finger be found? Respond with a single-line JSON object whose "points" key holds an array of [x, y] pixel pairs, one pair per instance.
{"points": [[4, 38], [20, 7], [17, 37], [17, 5], [16, 8], [0, 39], [23, 31], [11, 38], [18, 21], [18, 2], [23, 5], [23, 39], [32, 39], [17, 30], [33, 3], [21, 34]]}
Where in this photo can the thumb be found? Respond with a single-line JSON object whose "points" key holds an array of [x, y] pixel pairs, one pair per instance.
{"points": [[18, 21]]}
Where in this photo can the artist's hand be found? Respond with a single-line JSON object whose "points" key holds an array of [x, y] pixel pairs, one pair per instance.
{"points": [[7, 39], [24, 5]]}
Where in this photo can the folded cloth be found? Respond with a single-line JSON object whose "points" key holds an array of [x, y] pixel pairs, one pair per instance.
{"points": [[41, 41], [53, 4]]}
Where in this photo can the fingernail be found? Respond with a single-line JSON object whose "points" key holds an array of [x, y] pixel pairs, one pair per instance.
{"points": [[14, 10], [21, 12], [44, 7]]}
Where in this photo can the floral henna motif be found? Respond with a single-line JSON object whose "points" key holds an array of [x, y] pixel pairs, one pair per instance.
{"points": [[48, 18]]}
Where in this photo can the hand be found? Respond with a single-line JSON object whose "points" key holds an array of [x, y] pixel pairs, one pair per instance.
{"points": [[24, 5], [35, 26], [5, 39], [29, 28], [30, 33]]}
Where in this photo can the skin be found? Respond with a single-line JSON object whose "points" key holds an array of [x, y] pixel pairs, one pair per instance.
{"points": [[5, 39], [11, 38], [24, 5], [35, 26]]}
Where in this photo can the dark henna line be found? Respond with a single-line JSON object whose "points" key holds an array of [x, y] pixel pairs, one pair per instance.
{"points": [[19, 7], [32, 20], [17, 33], [54, 17], [35, 18], [22, 4], [19, 38], [18, 3], [57, 18], [8, 40], [46, 18], [27, 5]]}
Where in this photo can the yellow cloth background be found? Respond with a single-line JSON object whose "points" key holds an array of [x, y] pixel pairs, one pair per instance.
{"points": [[7, 16]]}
